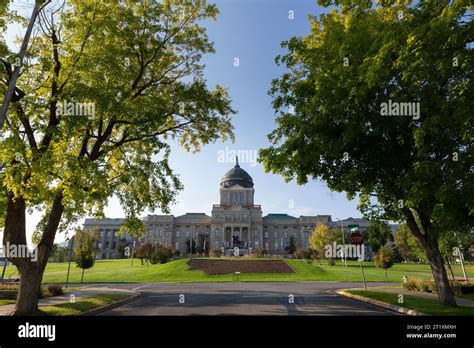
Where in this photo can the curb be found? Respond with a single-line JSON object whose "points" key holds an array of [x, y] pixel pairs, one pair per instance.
{"points": [[110, 306], [384, 305]]}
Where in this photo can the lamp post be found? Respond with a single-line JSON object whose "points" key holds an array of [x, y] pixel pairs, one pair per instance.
{"points": [[71, 244], [343, 256], [461, 258]]}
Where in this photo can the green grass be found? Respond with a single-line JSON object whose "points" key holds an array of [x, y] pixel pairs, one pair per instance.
{"points": [[468, 296], [110, 271], [420, 304], [6, 302], [81, 305]]}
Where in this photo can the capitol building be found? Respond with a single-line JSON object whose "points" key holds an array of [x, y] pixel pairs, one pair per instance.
{"points": [[236, 222]]}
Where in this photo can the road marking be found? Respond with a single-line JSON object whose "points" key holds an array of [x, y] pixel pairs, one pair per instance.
{"points": [[140, 287]]}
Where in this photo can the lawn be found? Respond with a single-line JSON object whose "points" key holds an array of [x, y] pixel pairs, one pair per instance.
{"points": [[81, 305], [424, 305], [468, 296], [178, 271]]}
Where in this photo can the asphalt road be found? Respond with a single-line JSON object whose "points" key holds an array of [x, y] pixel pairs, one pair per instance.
{"points": [[239, 298]]}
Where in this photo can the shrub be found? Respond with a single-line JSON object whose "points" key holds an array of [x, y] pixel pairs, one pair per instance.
{"points": [[258, 253], [55, 290], [308, 255], [9, 286], [384, 260], [161, 254], [215, 252], [51, 290], [331, 262], [43, 292], [177, 253], [421, 285], [299, 252]]}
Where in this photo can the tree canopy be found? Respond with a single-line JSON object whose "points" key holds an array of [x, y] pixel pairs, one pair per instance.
{"points": [[106, 87], [417, 167]]}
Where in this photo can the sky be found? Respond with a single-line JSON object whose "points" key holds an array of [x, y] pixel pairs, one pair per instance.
{"points": [[250, 30]]}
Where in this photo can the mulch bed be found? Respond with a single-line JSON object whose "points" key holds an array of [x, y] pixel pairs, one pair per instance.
{"points": [[221, 267]]}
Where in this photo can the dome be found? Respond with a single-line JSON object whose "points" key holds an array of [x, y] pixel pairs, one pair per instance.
{"points": [[237, 176]]}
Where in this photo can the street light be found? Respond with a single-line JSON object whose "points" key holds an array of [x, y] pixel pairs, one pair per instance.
{"points": [[461, 258], [343, 244], [70, 243]]}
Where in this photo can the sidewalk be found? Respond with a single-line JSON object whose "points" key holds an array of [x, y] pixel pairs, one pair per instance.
{"points": [[78, 293]]}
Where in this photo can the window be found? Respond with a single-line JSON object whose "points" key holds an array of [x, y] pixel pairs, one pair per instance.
{"points": [[232, 198], [114, 245], [106, 245], [266, 234], [285, 235], [241, 198], [177, 234], [99, 245], [276, 234], [216, 232], [103, 255], [176, 245], [187, 233], [216, 244]]}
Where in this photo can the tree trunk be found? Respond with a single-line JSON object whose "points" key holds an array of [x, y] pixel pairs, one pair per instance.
{"points": [[428, 241], [82, 275], [29, 290], [450, 268], [445, 294], [386, 276], [31, 271]]}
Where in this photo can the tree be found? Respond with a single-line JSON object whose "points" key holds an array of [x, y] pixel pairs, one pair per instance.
{"points": [[135, 228], [323, 238], [161, 254], [144, 252], [384, 260], [190, 248], [377, 235], [407, 245], [58, 254], [203, 244], [105, 89], [122, 246], [333, 123], [84, 249], [14, 69], [291, 248]]}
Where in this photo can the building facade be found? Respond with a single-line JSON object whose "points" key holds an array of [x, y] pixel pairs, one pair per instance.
{"points": [[236, 225]]}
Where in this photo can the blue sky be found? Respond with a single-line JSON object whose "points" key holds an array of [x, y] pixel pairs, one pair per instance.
{"points": [[250, 30]]}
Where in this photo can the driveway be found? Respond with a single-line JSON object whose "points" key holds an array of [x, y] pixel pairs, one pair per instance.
{"points": [[244, 298]]}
